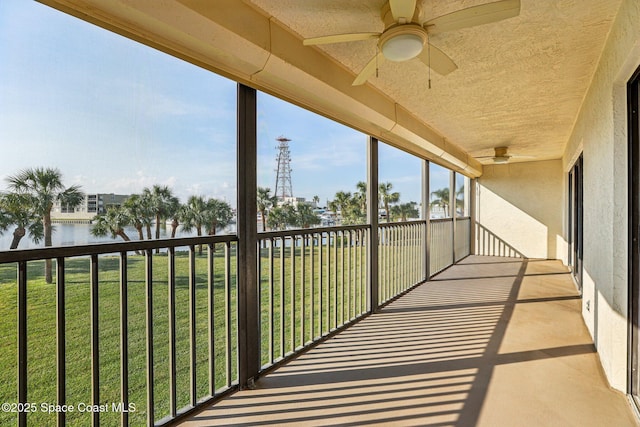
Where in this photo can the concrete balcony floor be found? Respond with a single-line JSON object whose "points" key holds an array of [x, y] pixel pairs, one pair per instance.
{"points": [[489, 342]]}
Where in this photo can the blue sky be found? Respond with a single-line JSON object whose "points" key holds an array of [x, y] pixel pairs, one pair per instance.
{"points": [[116, 116]]}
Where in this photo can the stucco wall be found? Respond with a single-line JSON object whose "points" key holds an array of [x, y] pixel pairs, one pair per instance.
{"points": [[600, 132], [519, 210]]}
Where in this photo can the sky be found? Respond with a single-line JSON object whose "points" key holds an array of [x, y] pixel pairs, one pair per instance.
{"points": [[115, 116]]}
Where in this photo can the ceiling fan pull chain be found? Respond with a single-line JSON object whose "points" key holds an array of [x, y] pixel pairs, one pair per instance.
{"points": [[429, 53], [377, 54]]}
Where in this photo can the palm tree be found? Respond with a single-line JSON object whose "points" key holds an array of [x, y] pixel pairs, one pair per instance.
{"points": [[174, 212], [140, 214], [316, 200], [278, 217], [159, 199], [112, 223], [304, 217], [441, 198], [265, 202], [219, 214], [387, 197], [194, 216], [17, 209], [45, 186], [361, 195], [405, 210], [340, 202]]}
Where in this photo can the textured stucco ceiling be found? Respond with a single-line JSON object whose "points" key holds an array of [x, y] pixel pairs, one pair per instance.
{"points": [[520, 82]]}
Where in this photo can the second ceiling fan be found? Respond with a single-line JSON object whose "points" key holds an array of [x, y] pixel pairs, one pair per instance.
{"points": [[405, 37]]}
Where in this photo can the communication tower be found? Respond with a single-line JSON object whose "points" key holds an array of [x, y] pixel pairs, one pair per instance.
{"points": [[283, 172]]}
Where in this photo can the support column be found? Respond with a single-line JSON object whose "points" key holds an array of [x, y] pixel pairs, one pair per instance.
{"points": [[452, 211], [473, 249], [372, 216], [426, 215], [247, 231]]}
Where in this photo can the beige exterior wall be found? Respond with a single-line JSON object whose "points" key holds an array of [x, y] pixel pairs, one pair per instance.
{"points": [[519, 210], [600, 133]]}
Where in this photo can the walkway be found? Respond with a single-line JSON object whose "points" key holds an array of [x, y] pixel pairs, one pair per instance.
{"points": [[489, 342]]}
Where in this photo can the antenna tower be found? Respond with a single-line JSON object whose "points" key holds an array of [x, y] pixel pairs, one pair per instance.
{"points": [[283, 172]]}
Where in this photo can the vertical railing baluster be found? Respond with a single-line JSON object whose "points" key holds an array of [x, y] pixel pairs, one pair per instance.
{"points": [[95, 340], [328, 309], [341, 306], [349, 278], [22, 340], [192, 326], [228, 313], [211, 249], [312, 298], [149, 333], [321, 287], [303, 285], [271, 302], [335, 281], [292, 296], [124, 338], [171, 295], [60, 340], [282, 296]]}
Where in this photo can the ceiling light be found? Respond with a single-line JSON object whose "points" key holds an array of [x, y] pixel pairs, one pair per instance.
{"points": [[501, 159], [403, 42]]}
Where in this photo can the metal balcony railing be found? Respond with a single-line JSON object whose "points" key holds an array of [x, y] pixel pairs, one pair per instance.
{"points": [[151, 328]]}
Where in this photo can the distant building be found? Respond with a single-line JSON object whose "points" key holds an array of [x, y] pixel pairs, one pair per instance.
{"points": [[92, 205]]}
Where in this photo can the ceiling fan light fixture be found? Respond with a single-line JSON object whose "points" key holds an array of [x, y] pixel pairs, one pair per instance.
{"points": [[403, 42], [500, 160]]}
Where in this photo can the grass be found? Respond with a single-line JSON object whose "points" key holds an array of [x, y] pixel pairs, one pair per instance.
{"points": [[41, 332], [294, 293]]}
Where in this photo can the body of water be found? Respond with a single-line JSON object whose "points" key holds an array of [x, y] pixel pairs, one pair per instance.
{"points": [[80, 234]]}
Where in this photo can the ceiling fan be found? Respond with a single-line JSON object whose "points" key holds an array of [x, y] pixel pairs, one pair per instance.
{"points": [[405, 37], [501, 156]]}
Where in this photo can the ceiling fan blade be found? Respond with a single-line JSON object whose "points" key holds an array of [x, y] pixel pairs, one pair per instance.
{"points": [[472, 16], [402, 9], [340, 38], [439, 61], [369, 69]]}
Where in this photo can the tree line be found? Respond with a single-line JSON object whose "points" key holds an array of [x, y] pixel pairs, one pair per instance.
{"points": [[352, 208]]}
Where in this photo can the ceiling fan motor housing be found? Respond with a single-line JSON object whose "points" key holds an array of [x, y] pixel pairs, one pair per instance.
{"points": [[402, 42]]}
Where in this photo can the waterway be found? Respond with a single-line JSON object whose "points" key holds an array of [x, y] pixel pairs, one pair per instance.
{"points": [[80, 234]]}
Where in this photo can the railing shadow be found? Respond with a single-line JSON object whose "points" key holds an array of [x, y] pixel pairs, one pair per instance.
{"points": [[426, 359], [490, 244]]}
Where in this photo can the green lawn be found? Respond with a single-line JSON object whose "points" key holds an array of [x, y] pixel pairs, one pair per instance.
{"points": [[342, 297]]}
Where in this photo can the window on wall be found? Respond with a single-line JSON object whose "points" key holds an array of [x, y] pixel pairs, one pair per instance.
{"points": [[312, 171], [439, 191], [109, 118]]}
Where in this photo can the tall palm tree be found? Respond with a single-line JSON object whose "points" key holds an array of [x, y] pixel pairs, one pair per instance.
{"points": [[219, 214], [340, 201], [361, 195], [159, 199], [46, 188], [140, 214], [265, 202], [441, 198], [194, 215], [17, 209], [174, 212], [387, 197], [316, 200], [112, 223]]}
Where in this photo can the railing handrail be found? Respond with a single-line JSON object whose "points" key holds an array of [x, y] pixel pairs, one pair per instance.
{"points": [[308, 231], [109, 248], [397, 223]]}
